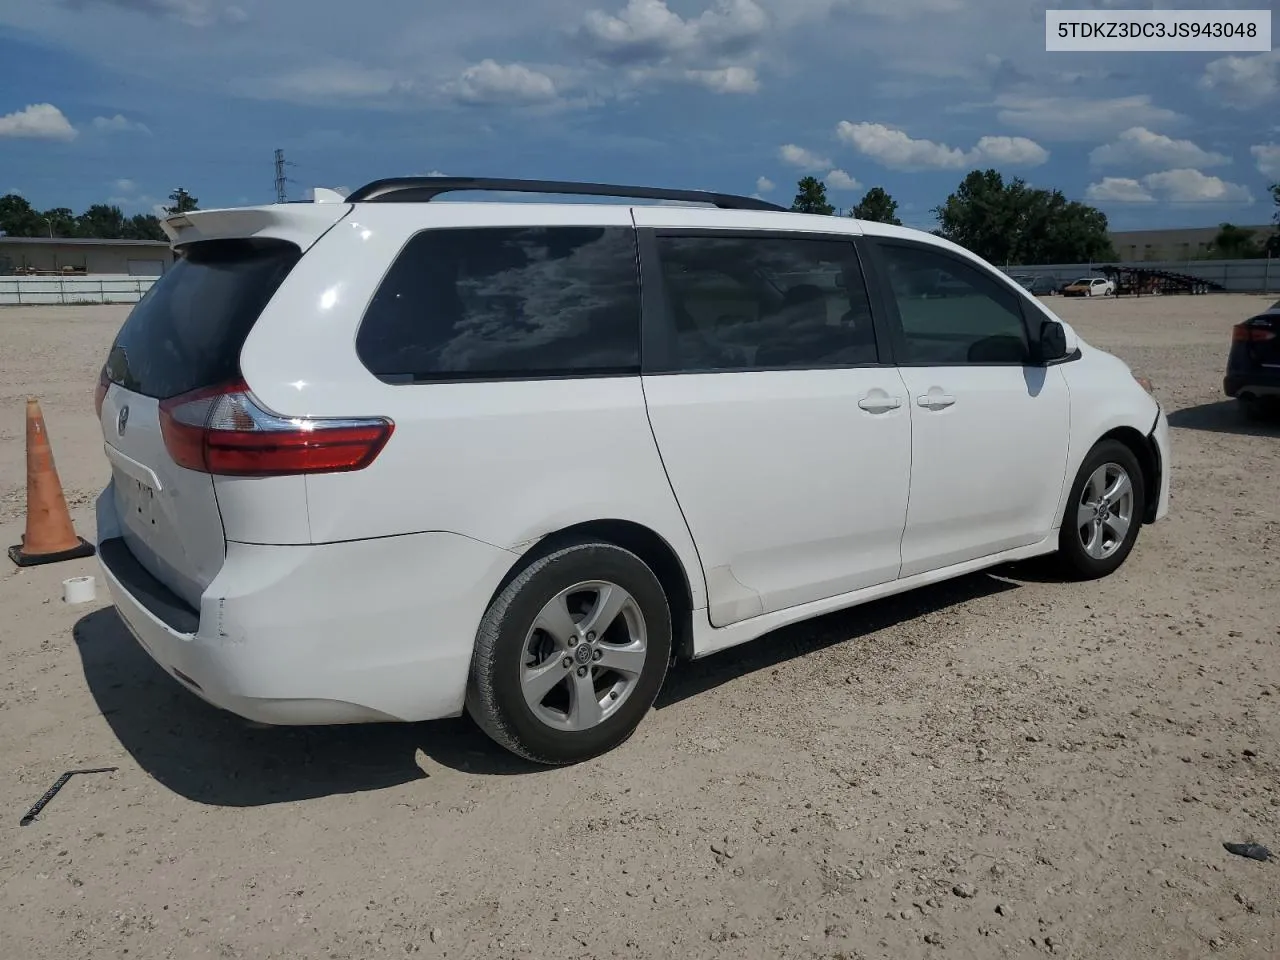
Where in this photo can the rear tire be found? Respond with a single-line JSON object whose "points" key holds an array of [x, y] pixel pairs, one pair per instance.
{"points": [[571, 655], [1259, 410], [1104, 513]]}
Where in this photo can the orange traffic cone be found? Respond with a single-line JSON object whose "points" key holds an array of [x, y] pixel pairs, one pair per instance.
{"points": [[50, 535]]}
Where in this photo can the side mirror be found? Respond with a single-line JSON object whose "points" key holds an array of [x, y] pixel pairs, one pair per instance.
{"points": [[1053, 342]]}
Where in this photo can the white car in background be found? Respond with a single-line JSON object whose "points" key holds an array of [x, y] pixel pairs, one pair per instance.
{"points": [[1090, 287], [389, 459]]}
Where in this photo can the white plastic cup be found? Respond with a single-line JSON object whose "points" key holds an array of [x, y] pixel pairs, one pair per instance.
{"points": [[79, 590]]}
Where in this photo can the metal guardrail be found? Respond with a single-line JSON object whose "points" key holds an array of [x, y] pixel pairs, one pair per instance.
{"points": [[24, 291]]}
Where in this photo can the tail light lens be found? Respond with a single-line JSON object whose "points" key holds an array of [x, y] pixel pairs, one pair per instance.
{"points": [[100, 394], [1251, 333], [224, 431]]}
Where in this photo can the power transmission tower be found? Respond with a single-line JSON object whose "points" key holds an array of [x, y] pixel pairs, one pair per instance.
{"points": [[281, 179]]}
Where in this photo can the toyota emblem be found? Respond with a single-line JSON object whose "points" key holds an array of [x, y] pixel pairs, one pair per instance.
{"points": [[122, 420]]}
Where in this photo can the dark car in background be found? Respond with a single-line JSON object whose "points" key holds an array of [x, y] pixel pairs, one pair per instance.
{"points": [[1253, 364], [1042, 286]]}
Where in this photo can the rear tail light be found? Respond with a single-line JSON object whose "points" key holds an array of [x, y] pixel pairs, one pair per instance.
{"points": [[1251, 333], [224, 431], [100, 394]]}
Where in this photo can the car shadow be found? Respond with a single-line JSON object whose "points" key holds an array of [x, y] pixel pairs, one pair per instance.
{"points": [[800, 639], [210, 756], [1222, 416]]}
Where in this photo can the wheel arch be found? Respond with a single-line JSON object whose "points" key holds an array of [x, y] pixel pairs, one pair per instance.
{"points": [[645, 543], [1148, 456], [1144, 449]]}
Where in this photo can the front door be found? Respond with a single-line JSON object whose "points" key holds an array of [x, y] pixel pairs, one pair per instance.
{"points": [[786, 440], [989, 429]]}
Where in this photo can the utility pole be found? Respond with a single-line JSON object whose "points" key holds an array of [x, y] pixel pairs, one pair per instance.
{"points": [[280, 177]]}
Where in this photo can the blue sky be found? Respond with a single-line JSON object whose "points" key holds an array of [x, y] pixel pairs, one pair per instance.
{"points": [[123, 100]]}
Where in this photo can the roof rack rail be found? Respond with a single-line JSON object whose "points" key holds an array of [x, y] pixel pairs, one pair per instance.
{"points": [[424, 189]]}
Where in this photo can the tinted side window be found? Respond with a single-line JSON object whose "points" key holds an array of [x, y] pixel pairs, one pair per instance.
{"points": [[744, 303], [952, 312], [188, 329], [509, 302]]}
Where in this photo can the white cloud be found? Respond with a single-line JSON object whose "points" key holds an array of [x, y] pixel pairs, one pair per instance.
{"points": [[1172, 186], [339, 79], [1267, 156], [648, 31], [727, 79], [1121, 189], [764, 185], [1243, 82], [196, 13], [1138, 146], [39, 121], [491, 82], [897, 150], [803, 159], [144, 204], [1079, 118], [839, 180], [1190, 186], [1008, 151], [128, 198], [893, 148], [119, 124], [719, 49]]}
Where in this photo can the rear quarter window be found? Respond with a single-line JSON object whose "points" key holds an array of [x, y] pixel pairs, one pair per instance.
{"points": [[188, 330], [506, 303]]}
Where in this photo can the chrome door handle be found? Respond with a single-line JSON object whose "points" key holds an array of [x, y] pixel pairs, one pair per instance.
{"points": [[938, 401], [880, 404]]}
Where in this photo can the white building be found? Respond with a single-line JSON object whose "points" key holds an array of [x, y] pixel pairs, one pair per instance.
{"points": [[63, 256]]}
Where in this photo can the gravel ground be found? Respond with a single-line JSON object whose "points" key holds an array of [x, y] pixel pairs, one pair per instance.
{"points": [[1001, 766]]}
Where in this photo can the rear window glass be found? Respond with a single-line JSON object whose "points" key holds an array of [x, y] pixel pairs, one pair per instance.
{"points": [[505, 303], [188, 330]]}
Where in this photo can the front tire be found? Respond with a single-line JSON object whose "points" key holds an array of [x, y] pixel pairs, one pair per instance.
{"points": [[571, 655], [1104, 512]]}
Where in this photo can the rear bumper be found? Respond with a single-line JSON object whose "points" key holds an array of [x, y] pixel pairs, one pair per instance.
{"points": [[363, 631], [1258, 382]]}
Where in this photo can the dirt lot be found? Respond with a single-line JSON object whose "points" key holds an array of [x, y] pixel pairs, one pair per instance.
{"points": [[1003, 766]]}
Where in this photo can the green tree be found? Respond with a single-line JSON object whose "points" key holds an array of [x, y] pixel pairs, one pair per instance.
{"points": [[144, 226], [877, 205], [19, 219], [60, 222], [811, 197], [1013, 223], [102, 221], [183, 202], [1234, 243]]}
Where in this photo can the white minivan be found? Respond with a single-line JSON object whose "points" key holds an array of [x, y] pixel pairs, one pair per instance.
{"points": [[392, 458]]}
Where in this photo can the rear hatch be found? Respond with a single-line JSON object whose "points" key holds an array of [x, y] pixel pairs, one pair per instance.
{"points": [[186, 334]]}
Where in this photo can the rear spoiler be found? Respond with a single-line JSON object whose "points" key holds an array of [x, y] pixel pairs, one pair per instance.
{"points": [[300, 223]]}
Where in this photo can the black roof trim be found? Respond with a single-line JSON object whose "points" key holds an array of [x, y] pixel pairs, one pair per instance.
{"points": [[424, 189]]}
